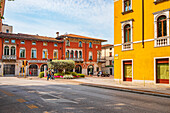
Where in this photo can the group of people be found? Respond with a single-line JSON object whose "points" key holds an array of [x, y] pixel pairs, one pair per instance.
{"points": [[50, 75]]}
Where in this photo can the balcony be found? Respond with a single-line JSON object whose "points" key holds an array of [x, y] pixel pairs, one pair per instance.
{"points": [[127, 46], [162, 41], [76, 59], [9, 57], [159, 1], [101, 60]]}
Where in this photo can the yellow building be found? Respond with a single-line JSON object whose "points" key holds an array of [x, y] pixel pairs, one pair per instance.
{"points": [[142, 51]]}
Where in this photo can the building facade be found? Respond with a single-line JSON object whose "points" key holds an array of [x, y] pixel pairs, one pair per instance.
{"points": [[107, 55], [2, 4], [35, 49], [85, 51], [141, 41], [7, 28], [15, 48]]}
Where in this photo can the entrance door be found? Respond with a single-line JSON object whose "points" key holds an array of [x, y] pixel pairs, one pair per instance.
{"points": [[78, 69], [127, 71], [162, 71], [110, 71], [90, 70], [9, 70], [34, 70]]}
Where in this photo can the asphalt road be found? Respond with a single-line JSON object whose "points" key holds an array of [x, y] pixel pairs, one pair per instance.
{"points": [[39, 96]]}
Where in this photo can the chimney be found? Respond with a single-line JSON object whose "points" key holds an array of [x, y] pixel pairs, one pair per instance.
{"points": [[57, 34]]}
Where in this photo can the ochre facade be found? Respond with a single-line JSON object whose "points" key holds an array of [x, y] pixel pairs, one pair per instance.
{"points": [[149, 61]]}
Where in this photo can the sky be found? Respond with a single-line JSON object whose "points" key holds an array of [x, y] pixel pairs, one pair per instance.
{"points": [[92, 18]]}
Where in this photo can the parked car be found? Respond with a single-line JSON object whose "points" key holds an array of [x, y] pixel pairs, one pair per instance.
{"points": [[103, 74]]}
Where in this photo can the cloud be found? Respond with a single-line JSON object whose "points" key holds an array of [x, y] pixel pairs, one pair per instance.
{"points": [[86, 17]]}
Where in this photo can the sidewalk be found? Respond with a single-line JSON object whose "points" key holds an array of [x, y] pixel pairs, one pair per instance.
{"points": [[160, 90], [141, 88]]}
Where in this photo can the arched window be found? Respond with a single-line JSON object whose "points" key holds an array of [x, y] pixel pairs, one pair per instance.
{"points": [[90, 45], [162, 26], [55, 54], [67, 43], [12, 50], [80, 44], [76, 54], [90, 55], [67, 54], [6, 50], [127, 5], [127, 33], [72, 54], [80, 54]]}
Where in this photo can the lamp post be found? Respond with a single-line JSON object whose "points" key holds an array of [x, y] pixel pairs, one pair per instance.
{"points": [[65, 37]]}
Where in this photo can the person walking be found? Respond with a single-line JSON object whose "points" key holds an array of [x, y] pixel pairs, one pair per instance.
{"points": [[49, 75], [52, 76]]}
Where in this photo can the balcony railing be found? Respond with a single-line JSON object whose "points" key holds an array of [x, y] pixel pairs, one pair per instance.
{"points": [[76, 59], [127, 46], [163, 41], [101, 60], [9, 57]]}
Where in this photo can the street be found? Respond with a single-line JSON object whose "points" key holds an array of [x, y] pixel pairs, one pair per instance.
{"points": [[61, 96]]}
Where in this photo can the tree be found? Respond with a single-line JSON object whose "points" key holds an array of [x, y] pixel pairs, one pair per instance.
{"points": [[61, 65]]}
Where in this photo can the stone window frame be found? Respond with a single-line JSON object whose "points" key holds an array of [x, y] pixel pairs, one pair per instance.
{"points": [[123, 9], [20, 54], [156, 16], [123, 24], [31, 52]]}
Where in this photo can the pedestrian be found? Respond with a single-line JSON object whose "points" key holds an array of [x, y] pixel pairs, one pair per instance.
{"points": [[30, 73], [49, 75], [52, 75]]}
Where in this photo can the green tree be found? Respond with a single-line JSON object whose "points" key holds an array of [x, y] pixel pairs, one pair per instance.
{"points": [[61, 65]]}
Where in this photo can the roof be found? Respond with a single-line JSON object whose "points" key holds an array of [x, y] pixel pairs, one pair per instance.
{"points": [[107, 45], [28, 37], [81, 37]]}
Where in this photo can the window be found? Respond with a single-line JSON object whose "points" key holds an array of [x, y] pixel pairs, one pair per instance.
{"points": [[55, 54], [6, 41], [72, 54], [44, 43], [127, 5], [33, 43], [33, 53], [76, 54], [55, 45], [6, 50], [7, 31], [162, 26], [67, 43], [12, 41], [45, 52], [80, 44], [110, 62], [22, 42], [110, 54], [90, 55], [12, 50], [80, 54], [127, 33], [22, 53], [90, 45]]}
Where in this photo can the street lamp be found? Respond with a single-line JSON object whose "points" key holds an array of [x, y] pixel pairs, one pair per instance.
{"points": [[65, 37]]}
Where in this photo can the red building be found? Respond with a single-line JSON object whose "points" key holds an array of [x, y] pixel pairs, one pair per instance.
{"points": [[15, 48], [85, 51]]}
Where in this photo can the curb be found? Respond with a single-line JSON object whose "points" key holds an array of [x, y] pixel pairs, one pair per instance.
{"points": [[137, 91]]}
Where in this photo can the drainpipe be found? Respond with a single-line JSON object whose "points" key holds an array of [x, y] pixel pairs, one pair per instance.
{"points": [[143, 23]]}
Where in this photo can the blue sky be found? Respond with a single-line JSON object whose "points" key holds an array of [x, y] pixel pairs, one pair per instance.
{"points": [[92, 18]]}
